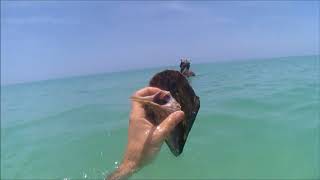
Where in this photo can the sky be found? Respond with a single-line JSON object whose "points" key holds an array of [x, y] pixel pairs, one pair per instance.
{"points": [[47, 39]]}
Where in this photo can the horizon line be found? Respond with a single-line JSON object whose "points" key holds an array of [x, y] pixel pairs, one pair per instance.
{"points": [[148, 67]]}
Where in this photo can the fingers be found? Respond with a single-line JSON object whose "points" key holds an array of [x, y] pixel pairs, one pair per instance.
{"points": [[169, 124], [147, 91], [137, 110]]}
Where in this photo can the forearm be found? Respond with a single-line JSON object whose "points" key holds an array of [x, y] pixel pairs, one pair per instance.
{"points": [[124, 171]]}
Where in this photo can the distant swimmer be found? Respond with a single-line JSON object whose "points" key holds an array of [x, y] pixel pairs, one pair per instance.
{"points": [[185, 68]]}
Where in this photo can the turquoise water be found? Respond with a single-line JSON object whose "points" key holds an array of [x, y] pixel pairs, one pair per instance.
{"points": [[258, 119]]}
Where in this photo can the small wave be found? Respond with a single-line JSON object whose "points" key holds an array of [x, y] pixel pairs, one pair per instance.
{"points": [[304, 106], [66, 115]]}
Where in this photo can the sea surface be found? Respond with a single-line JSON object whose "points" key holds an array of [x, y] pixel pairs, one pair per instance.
{"points": [[259, 119]]}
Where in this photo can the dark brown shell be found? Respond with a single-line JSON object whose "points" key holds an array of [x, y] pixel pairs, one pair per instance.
{"points": [[183, 93]]}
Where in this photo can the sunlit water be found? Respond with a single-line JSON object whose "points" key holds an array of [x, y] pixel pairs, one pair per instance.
{"points": [[258, 119]]}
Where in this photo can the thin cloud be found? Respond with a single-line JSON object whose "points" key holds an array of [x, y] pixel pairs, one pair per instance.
{"points": [[177, 6], [38, 20], [198, 13]]}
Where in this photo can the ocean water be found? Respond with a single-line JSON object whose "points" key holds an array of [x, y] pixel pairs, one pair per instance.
{"points": [[259, 119]]}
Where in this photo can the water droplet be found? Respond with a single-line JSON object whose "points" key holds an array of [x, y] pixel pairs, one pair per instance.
{"points": [[116, 164], [85, 175]]}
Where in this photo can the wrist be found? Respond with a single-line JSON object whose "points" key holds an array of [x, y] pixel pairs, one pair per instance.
{"points": [[128, 166], [124, 171]]}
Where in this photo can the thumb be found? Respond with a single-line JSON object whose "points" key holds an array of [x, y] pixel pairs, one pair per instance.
{"points": [[169, 124]]}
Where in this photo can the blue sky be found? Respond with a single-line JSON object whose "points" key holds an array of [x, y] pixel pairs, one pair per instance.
{"points": [[47, 39]]}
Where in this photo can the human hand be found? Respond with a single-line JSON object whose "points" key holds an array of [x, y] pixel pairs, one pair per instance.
{"points": [[144, 138]]}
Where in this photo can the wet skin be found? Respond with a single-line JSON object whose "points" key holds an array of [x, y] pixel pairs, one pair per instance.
{"points": [[144, 137]]}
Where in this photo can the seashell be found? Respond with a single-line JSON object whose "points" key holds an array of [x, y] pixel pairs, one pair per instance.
{"points": [[177, 95]]}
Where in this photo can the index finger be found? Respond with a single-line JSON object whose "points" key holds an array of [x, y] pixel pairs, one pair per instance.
{"points": [[137, 108], [147, 91]]}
